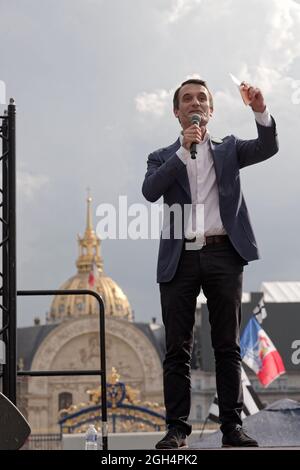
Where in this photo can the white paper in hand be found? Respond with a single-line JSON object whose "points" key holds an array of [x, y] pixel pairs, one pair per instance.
{"points": [[243, 92], [235, 80]]}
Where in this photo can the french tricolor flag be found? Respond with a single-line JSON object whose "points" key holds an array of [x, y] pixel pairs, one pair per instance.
{"points": [[260, 354], [93, 275]]}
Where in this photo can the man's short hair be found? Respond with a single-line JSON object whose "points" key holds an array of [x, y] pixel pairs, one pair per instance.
{"points": [[196, 81]]}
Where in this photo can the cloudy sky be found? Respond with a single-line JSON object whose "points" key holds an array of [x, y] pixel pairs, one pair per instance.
{"points": [[93, 81]]}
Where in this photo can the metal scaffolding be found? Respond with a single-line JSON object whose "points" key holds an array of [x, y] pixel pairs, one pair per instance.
{"points": [[8, 288]]}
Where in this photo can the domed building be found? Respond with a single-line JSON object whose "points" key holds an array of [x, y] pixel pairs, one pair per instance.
{"points": [[70, 341], [90, 274]]}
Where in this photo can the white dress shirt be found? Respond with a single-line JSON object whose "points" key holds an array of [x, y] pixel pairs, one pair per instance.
{"points": [[204, 217]]}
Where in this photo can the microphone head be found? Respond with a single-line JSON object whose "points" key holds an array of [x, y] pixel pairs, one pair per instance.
{"points": [[196, 119]]}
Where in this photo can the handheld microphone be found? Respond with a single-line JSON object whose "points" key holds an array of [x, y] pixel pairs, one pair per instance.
{"points": [[195, 119]]}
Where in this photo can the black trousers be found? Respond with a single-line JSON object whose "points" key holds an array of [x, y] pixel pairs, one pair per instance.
{"points": [[218, 269]]}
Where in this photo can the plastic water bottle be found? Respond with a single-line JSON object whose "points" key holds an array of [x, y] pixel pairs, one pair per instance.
{"points": [[91, 438]]}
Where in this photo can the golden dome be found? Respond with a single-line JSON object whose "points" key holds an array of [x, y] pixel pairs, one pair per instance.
{"points": [[90, 275]]}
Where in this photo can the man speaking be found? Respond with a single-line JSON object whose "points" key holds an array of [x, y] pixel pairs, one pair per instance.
{"points": [[200, 171]]}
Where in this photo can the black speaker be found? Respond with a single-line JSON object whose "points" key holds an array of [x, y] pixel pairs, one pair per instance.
{"points": [[14, 429]]}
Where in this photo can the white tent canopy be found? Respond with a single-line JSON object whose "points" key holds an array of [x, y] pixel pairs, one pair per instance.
{"points": [[281, 291], [273, 292]]}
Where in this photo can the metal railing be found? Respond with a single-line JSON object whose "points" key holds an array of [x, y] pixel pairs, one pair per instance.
{"points": [[101, 372], [43, 442]]}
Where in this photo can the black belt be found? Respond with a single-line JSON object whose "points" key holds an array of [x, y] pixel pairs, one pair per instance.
{"points": [[211, 239]]}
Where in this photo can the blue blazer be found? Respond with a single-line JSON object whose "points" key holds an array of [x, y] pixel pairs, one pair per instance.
{"points": [[167, 176]]}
